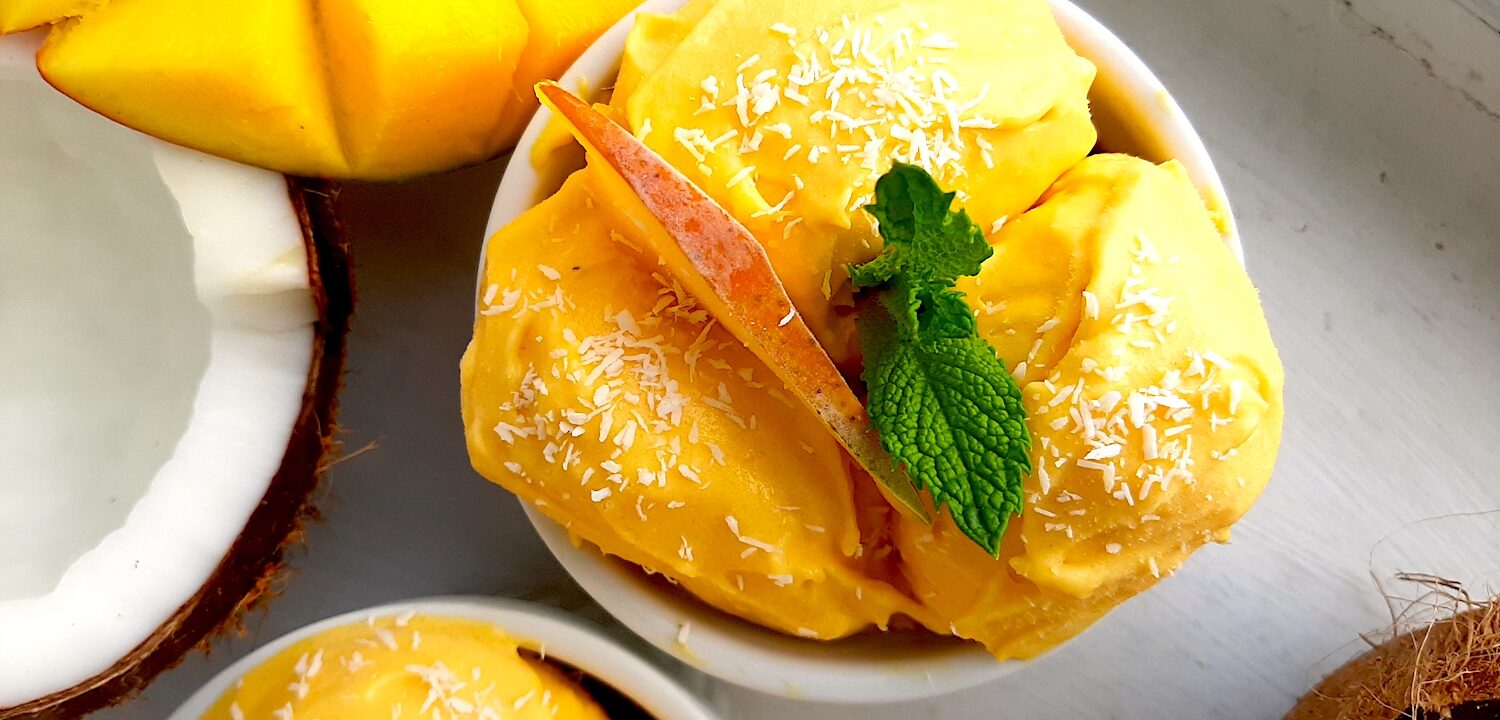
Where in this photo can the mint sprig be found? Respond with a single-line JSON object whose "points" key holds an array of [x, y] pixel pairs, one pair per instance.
{"points": [[945, 405]]}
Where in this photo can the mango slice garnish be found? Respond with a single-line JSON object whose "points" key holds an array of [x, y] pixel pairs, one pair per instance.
{"points": [[720, 262]]}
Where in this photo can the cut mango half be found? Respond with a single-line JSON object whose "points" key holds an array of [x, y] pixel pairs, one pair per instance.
{"points": [[350, 89]]}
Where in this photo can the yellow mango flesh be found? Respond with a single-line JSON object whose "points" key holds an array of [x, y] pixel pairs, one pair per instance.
{"points": [[18, 15], [257, 94], [370, 89], [597, 389], [420, 85], [560, 32], [1131, 318], [791, 143], [390, 667]]}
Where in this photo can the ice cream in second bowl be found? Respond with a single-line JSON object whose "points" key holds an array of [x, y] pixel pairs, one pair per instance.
{"points": [[602, 392], [407, 665], [443, 657]]}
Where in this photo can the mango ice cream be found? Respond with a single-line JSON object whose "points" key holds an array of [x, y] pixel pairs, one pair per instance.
{"points": [[787, 111], [621, 409], [408, 666], [601, 392], [1153, 396]]}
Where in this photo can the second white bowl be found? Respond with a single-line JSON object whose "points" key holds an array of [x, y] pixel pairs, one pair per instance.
{"points": [[564, 639]]}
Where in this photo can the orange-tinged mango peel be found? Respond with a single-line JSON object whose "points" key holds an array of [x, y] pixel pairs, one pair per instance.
{"points": [[722, 264]]}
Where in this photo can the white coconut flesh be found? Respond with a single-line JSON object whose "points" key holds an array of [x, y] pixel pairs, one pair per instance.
{"points": [[156, 332]]}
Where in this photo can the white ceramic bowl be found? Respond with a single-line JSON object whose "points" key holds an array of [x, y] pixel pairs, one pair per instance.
{"points": [[565, 639], [1135, 114]]}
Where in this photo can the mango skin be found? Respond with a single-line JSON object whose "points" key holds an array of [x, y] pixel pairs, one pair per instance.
{"points": [[1060, 572], [350, 89]]}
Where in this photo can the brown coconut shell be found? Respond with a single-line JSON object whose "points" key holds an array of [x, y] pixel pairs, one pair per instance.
{"points": [[1449, 669], [250, 563]]}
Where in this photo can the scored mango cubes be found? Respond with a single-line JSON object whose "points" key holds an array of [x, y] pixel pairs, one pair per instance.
{"points": [[366, 89]]}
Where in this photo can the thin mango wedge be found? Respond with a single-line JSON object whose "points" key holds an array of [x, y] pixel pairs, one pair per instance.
{"points": [[725, 268]]}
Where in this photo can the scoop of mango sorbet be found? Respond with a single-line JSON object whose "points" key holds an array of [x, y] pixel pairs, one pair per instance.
{"points": [[1153, 394], [597, 390], [787, 111], [406, 666]]}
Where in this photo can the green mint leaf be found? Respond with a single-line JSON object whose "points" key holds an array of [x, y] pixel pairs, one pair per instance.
{"points": [[946, 407], [924, 239], [942, 313]]}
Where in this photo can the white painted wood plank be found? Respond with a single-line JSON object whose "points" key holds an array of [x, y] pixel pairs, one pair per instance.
{"points": [[1453, 40]]}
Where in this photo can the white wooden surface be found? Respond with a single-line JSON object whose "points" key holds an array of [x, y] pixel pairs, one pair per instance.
{"points": [[1360, 142]]}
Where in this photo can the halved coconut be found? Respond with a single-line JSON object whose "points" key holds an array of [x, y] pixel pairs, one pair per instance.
{"points": [[171, 337]]}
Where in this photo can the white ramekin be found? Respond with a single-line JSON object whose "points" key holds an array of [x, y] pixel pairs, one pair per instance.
{"points": [[1135, 114], [565, 639]]}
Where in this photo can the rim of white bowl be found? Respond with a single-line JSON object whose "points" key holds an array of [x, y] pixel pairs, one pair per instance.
{"points": [[864, 669], [566, 639]]}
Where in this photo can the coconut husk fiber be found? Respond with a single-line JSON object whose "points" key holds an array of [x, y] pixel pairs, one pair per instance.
{"points": [[1449, 668]]}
